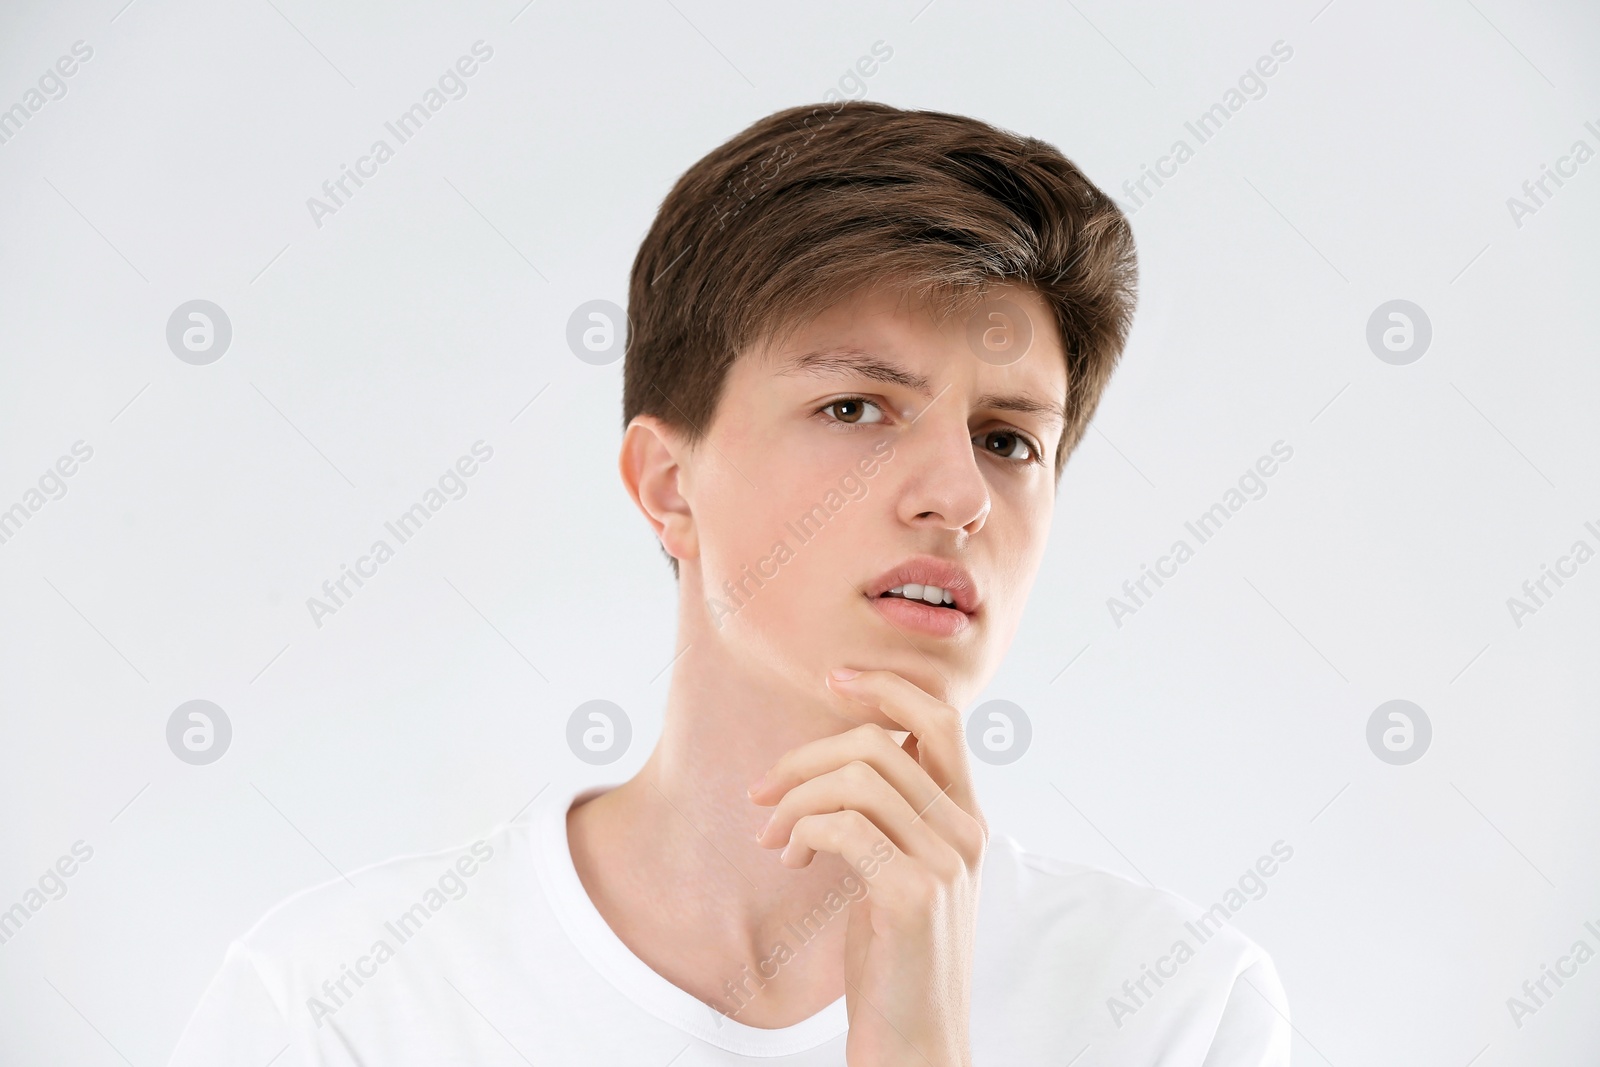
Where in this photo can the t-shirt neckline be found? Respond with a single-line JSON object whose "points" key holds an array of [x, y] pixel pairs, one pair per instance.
{"points": [[634, 978]]}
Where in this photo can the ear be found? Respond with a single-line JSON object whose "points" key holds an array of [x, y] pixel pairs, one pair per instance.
{"points": [[652, 464]]}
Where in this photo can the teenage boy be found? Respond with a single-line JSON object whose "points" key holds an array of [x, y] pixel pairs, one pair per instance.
{"points": [[863, 342]]}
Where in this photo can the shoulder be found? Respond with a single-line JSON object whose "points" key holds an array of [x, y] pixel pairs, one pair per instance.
{"points": [[310, 953], [1128, 958], [1071, 899], [335, 920]]}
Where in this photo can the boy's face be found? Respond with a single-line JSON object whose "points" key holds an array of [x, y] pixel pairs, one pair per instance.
{"points": [[892, 442]]}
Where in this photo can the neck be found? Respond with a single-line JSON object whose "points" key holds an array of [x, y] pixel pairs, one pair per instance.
{"points": [[670, 857]]}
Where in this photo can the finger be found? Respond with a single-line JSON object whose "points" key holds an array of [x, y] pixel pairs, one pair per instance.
{"points": [[869, 742], [856, 786], [907, 891], [849, 835], [941, 742], [873, 745]]}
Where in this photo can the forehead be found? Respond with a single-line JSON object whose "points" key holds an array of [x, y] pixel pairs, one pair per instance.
{"points": [[888, 336]]}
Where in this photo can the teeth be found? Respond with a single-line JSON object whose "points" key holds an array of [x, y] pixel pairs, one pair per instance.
{"points": [[930, 594]]}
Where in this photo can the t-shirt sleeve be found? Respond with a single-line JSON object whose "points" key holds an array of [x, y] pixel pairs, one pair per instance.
{"points": [[236, 1023], [1254, 1031]]}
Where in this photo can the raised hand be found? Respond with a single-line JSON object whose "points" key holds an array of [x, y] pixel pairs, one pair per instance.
{"points": [[905, 816]]}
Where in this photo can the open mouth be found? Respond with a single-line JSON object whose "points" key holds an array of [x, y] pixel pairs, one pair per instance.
{"points": [[924, 609], [932, 595], [929, 594]]}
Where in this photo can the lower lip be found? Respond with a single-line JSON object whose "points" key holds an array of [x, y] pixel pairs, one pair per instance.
{"points": [[921, 616]]}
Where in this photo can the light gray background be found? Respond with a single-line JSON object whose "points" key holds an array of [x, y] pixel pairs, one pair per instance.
{"points": [[369, 353]]}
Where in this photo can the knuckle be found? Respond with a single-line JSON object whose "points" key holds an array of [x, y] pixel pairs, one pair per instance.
{"points": [[873, 737], [859, 772], [807, 828], [890, 752], [971, 838], [859, 823]]}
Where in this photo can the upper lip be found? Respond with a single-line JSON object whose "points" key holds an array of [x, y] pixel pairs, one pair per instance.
{"points": [[930, 570]]}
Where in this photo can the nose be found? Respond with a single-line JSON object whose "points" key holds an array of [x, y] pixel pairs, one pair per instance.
{"points": [[945, 488]]}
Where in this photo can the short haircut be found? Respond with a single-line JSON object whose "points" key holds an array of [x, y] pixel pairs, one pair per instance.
{"points": [[812, 204]]}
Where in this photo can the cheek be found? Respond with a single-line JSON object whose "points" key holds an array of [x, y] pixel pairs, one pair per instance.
{"points": [[747, 550], [1027, 513], [778, 562], [764, 591], [1026, 537], [778, 547], [782, 509]]}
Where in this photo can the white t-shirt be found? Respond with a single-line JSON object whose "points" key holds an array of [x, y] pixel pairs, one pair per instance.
{"points": [[493, 954]]}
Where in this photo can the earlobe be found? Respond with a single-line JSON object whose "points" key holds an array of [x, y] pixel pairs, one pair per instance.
{"points": [[652, 466]]}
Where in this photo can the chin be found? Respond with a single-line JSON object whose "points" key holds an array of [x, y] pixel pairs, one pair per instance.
{"points": [[946, 688], [771, 641]]}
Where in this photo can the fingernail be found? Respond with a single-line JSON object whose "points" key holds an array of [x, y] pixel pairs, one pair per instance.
{"points": [[844, 674], [755, 787], [766, 826]]}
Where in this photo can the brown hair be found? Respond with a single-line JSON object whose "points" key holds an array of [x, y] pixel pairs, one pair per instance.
{"points": [[811, 204]]}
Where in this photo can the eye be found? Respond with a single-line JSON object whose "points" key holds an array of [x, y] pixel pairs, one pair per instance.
{"points": [[854, 410], [1008, 444]]}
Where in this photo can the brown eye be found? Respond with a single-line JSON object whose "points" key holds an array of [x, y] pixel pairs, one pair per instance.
{"points": [[1008, 445], [854, 409]]}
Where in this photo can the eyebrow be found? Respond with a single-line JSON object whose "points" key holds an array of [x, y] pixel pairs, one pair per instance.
{"points": [[1024, 404], [848, 362], [854, 362]]}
